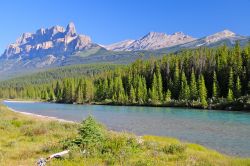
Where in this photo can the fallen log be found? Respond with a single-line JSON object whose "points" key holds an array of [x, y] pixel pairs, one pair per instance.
{"points": [[43, 161]]}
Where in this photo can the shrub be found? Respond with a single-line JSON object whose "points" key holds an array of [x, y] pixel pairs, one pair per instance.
{"points": [[91, 133], [174, 149]]}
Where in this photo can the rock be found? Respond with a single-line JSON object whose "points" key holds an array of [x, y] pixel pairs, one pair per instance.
{"points": [[151, 41], [51, 41], [71, 30], [219, 36], [120, 46]]}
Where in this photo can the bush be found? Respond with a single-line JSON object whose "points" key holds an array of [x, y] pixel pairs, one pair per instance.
{"points": [[91, 134], [174, 149], [119, 147]]}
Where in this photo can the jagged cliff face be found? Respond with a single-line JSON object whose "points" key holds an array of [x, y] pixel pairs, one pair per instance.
{"points": [[151, 41], [52, 41]]}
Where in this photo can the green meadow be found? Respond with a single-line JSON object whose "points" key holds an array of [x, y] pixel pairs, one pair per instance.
{"points": [[24, 139]]}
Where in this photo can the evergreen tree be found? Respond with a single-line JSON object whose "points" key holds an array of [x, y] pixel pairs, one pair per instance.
{"points": [[202, 91], [238, 87], [51, 95], [58, 92], [193, 87], [140, 91], [132, 95], [230, 96], [215, 93], [176, 82], [154, 90], [168, 96], [159, 83], [79, 94], [184, 92], [231, 79]]}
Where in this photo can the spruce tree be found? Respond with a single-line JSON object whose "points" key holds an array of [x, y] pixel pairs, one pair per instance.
{"points": [[176, 82], [193, 87], [215, 92], [58, 92], [132, 95], [184, 92], [154, 90], [238, 87], [231, 79], [230, 95], [79, 95], [202, 91], [168, 96], [159, 84]]}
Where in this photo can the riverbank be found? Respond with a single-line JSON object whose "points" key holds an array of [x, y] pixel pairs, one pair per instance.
{"points": [[26, 138], [240, 104]]}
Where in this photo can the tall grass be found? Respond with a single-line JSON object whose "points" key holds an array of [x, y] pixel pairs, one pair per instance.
{"points": [[24, 139]]}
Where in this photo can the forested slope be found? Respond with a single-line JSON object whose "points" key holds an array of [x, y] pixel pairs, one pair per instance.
{"points": [[204, 78]]}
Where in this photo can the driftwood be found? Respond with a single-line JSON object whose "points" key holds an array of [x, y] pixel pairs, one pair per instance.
{"points": [[43, 161]]}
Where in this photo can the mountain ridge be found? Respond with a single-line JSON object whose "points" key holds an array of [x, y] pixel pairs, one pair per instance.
{"points": [[58, 46], [152, 41], [50, 41]]}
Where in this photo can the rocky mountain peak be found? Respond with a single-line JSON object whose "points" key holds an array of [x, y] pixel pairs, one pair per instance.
{"points": [[154, 35], [71, 30], [24, 38], [41, 31], [219, 35], [227, 33], [151, 41], [50, 41], [178, 33]]}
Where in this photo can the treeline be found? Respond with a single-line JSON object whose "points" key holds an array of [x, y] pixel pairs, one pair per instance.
{"points": [[59, 73], [204, 77]]}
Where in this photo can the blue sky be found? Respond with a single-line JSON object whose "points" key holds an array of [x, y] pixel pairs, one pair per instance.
{"points": [[108, 21]]}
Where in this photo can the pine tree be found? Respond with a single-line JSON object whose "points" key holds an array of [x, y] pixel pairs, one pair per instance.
{"points": [[230, 96], [193, 87], [89, 90], [231, 79], [132, 94], [168, 96], [238, 87], [159, 83], [176, 82], [51, 95], [105, 89], [202, 91], [140, 91], [184, 92], [215, 92], [58, 92], [145, 91], [79, 94], [154, 91]]}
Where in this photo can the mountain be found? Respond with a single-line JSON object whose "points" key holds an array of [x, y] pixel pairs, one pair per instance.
{"points": [[151, 41], [50, 42], [58, 46], [224, 37], [120, 46]]}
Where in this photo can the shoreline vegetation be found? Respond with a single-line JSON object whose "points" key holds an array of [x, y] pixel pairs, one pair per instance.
{"points": [[240, 103], [207, 78], [26, 138]]}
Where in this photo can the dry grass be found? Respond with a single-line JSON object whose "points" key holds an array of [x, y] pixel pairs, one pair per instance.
{"points": [[24, 139]]}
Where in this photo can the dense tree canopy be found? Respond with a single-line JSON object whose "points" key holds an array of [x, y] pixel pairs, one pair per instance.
{"points": [[198, 77]]}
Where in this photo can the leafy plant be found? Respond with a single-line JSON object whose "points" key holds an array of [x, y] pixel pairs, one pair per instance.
{"points": [[174, 149]]}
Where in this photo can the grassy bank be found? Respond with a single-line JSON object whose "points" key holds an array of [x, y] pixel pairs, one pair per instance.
{"points": [[24, 139]]}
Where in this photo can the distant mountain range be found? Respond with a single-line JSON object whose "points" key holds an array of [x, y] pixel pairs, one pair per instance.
{"points": [[59, 46], [151, 41]]}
